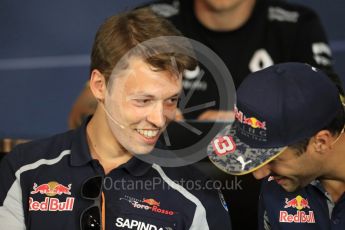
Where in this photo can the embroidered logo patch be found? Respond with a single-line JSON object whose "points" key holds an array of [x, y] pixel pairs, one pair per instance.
{"points": [[298, 203], [148, 204], [49, 203]]}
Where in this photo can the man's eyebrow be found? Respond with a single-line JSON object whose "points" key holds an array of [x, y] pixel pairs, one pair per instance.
{"points": [[147, 95], [141, 94], [153, 94], [175, 95]]}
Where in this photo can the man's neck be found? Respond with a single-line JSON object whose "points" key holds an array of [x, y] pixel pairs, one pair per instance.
{"points": [[224, 20], [335, 188], [333, 178], [103, 146]]}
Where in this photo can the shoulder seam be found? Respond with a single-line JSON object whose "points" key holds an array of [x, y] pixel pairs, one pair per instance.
{"points": [[199, 219], [41, 162]]}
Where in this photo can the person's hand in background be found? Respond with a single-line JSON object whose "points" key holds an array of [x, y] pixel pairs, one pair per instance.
{"points": [[215, 115], [179, 116]]}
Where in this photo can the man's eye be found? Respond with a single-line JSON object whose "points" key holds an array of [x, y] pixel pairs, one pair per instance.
{"points": [[142, 102], [173, 101]]}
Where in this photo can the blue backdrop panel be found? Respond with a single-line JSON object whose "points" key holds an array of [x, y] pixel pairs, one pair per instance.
{"points": [[44, 60]]}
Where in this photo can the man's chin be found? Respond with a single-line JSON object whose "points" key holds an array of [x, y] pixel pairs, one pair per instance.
{"points": [[143, 151]]}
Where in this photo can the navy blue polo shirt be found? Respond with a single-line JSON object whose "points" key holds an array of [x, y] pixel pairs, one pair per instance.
{"points": [[40, 188], [308, 208]]}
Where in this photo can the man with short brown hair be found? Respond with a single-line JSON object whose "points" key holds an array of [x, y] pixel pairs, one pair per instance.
{"points": [[91, 178]]}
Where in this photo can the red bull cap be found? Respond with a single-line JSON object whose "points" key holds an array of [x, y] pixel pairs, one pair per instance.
{"points": [[276, 107]]}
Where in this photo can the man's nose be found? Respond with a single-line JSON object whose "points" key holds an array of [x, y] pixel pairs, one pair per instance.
{"points": [[262, 172], [157, 116]]}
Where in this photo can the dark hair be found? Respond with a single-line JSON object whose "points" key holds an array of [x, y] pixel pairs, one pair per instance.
{"points": [[334, 127], [122, 32]]}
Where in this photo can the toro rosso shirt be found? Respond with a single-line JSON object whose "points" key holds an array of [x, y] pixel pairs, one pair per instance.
{"points": [[309, 208], [40, 188]]}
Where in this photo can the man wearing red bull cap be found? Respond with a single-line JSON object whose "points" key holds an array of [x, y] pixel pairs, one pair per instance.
{"points": [[92, 178], [299, 150]]}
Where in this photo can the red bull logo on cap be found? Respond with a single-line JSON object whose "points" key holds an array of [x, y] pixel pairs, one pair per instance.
{"points": [[51, 189], [298, 203], [251, 121]]}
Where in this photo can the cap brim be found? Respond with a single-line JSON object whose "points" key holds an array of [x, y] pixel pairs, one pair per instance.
{"points": [[238, 158]]}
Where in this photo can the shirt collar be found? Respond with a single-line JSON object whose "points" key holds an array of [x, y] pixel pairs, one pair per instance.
{"points": [[136, 167], [80, 154], [318, 185]]}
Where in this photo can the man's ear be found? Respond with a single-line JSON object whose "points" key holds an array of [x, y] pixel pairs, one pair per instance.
{"points": [[323, 141], [98, 85]]}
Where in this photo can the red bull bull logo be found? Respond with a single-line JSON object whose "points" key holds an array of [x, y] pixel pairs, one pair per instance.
{"points": [[61, 189], [251, 121], [51, 189], [254, 123], [42, 189], [298, 203]]}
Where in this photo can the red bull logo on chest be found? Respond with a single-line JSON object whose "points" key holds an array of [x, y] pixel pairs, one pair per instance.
{"points": [[50, 190], [298, 203]]}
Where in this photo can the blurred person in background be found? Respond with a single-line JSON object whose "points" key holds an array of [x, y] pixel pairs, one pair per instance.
{"points": [[247, 35]]}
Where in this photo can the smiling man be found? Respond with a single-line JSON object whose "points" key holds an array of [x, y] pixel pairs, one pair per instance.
{"points": [[289, 128], [90, 178], [145, 100], [134, 109]]}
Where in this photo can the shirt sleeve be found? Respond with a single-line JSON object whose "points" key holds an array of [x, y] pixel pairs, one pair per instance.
{"points": [[11, 206]]}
